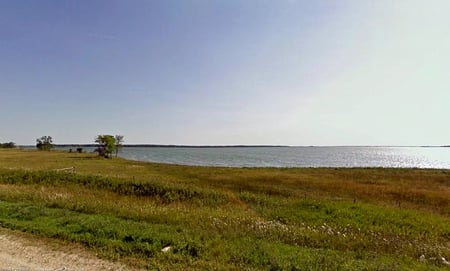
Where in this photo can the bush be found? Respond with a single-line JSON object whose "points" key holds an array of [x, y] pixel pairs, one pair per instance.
{"points": [[45, 143], [9, 145]]}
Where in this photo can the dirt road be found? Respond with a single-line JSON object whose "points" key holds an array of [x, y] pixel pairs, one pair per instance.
{"points": [[20, 253]]}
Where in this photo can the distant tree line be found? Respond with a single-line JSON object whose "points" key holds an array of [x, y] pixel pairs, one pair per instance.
{"points": [[107, 144], [8, 145]]}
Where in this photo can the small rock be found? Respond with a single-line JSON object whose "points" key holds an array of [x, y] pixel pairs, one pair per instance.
{"points": [[166, 249]]}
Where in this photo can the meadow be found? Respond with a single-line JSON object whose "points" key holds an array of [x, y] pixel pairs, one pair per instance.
{"points": [[171, 217]]}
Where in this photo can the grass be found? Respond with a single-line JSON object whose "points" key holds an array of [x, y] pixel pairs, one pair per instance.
{"points": [[230, 218]]}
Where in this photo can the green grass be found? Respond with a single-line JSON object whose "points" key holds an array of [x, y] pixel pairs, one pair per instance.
{"points": [[230, 219]]}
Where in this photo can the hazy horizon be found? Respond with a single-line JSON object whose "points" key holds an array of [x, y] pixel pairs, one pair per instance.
{"points": [[288, 72], [240, 145]]}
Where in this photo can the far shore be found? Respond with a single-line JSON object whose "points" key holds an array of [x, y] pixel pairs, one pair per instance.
{"points": [[244, 146]]}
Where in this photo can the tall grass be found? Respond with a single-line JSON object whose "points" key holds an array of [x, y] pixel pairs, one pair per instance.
{"points": [[231, 219]]}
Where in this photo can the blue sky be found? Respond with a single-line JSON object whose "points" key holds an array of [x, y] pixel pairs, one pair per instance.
{"points": [[226, 72]]}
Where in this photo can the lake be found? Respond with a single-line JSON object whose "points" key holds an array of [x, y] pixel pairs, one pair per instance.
{"points": [[393, 157]]}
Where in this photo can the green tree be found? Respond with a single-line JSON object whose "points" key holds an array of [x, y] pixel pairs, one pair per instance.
{"points": [[107, 145], [119, 141], [9, 145], [45, 143]]}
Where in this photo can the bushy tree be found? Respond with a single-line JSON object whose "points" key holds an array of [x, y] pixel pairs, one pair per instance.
{"points": [[8, 145], [107, 145], [45, 143]]}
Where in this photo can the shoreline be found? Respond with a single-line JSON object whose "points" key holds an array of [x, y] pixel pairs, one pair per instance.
{"points": [[241, 146], [220, 164]]}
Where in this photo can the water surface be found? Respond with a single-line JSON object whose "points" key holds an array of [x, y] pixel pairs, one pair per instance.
{"points": [[393, 157]]}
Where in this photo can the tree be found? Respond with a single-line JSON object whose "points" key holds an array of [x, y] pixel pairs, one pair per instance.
{"points": [[107, 145], [119, 141], [45, 143], [9, 145]]}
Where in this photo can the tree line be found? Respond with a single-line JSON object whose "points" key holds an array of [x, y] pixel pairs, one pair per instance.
{"points": [[107, 144], [8, 145]]}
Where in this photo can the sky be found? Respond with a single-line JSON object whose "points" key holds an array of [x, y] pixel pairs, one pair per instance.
{"points": [[213, 72]]}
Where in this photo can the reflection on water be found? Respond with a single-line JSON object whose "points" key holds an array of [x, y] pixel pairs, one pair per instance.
{"points": [[409, 157]]}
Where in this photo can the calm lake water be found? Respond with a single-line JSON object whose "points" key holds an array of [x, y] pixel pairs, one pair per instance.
{"points": [[409, 157]]}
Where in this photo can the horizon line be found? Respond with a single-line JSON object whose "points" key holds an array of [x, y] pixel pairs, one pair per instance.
{"points": [[234, 145]]}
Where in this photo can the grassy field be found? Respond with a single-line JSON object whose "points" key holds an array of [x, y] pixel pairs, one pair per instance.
{"points": [[230, 218]]}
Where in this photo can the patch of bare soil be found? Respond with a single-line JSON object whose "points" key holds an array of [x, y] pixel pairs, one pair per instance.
{"points": [[20, 253]]}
